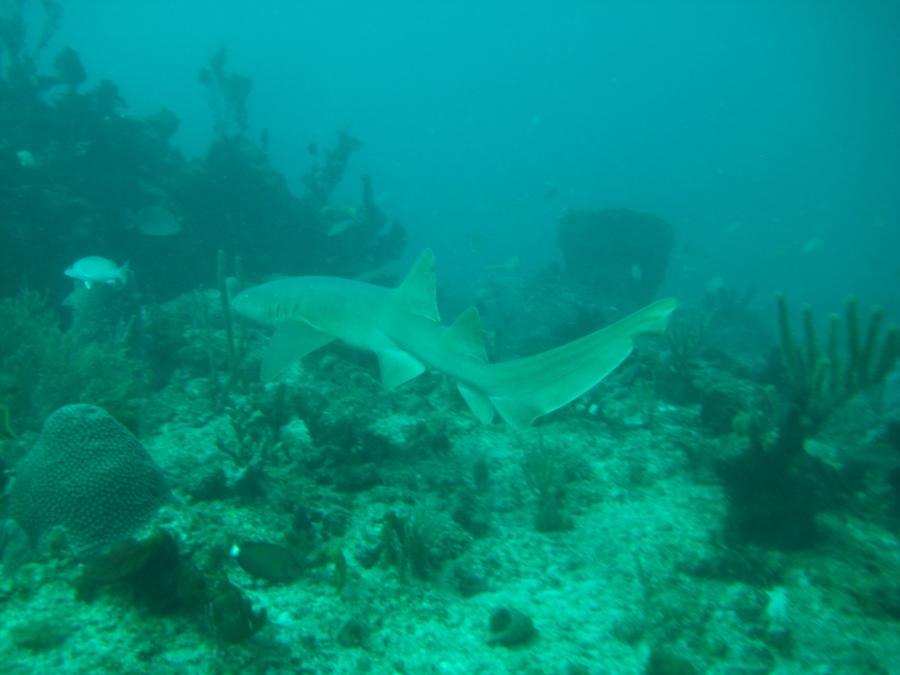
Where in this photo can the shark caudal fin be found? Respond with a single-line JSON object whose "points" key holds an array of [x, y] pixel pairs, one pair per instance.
{"points": [[539, 384]]}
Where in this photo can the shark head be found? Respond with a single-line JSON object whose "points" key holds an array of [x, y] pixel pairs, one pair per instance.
{"points": [[287, 299], [249, 304]]}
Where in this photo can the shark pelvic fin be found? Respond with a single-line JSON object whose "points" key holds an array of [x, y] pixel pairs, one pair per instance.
{"points": [[398, 366], [478, 403], [465, 335], [518, 413], [418, 292], [292, 340]]}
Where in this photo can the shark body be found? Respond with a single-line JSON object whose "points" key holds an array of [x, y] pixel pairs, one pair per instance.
{"points": [[402, 326]]}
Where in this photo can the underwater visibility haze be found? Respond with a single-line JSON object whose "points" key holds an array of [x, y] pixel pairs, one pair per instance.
{"points": [[471, 337]]}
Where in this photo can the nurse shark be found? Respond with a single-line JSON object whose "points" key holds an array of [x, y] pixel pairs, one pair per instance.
{"points": [[402, 327]]}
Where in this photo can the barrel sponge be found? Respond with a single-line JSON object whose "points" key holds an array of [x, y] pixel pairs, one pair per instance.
{"points": [[88, 474]]}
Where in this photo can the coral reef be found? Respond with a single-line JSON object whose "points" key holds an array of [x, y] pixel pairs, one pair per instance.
{"points": [[76, 158], [545, 469], [620, 254], [43, 367], [350, 476], [891, 432], [708, 511], [777, 488], [510, 628], [106, 314], [822, 379], [227, 94], [88, 475]]}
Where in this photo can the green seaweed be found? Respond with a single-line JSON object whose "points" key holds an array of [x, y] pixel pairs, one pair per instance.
{"points": [[231, 613], [43, 367], [221, 263], [39, 634], [544, 467], [331, 553], [406, 542], [5, 425]]}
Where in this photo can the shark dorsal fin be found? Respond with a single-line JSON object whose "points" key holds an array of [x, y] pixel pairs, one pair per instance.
{"points": [[465, 335], [418, 292]]}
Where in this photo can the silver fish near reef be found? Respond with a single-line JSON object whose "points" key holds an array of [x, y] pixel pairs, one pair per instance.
{"points": [[156, 221], [342, 226], [96, 270]]}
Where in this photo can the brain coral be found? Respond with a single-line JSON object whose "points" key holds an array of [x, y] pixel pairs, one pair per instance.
{"points": [[88, 474]]}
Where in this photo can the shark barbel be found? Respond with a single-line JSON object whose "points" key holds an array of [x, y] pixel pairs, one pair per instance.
{"points": [[402, 327]]}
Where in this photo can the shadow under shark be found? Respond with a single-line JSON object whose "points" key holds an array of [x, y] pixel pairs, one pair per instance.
{"points": [[402, 326]]}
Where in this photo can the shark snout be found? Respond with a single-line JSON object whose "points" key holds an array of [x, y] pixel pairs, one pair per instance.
{"points": [[242, 304]]}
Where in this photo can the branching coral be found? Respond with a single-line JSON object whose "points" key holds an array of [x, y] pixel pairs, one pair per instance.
{"points": [[776, 489], [6, 429], [228, 94], [17, 57], [544, 467], [420, 542], [43, 367], [822, 379], [328, 167]]}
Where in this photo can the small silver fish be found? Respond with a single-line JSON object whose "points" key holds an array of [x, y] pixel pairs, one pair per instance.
{"points": [[812, 245], [342, 226], [96, 270], [26, 159], [637, 272], [156, 221]]}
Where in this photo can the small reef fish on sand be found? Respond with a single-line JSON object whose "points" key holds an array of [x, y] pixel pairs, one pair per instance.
{"points": [[96, 270], [268, 561], [402, 326]]}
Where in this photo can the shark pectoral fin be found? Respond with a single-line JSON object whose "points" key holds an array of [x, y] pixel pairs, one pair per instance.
{"points": [[292, 340], [479, 404], [398, 366]]}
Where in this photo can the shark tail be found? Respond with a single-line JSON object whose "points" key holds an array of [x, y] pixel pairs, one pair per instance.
{"points": [[524, 389]]}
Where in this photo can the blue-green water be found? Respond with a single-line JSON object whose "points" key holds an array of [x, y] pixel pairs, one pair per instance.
{"points": [[725, 500]]}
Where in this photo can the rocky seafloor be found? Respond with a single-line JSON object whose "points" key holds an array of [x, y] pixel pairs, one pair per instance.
{"points": [[600, 537]]}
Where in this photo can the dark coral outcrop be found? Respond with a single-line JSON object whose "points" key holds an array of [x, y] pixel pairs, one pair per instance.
{"points": [[618, 254], [89, 475]]}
